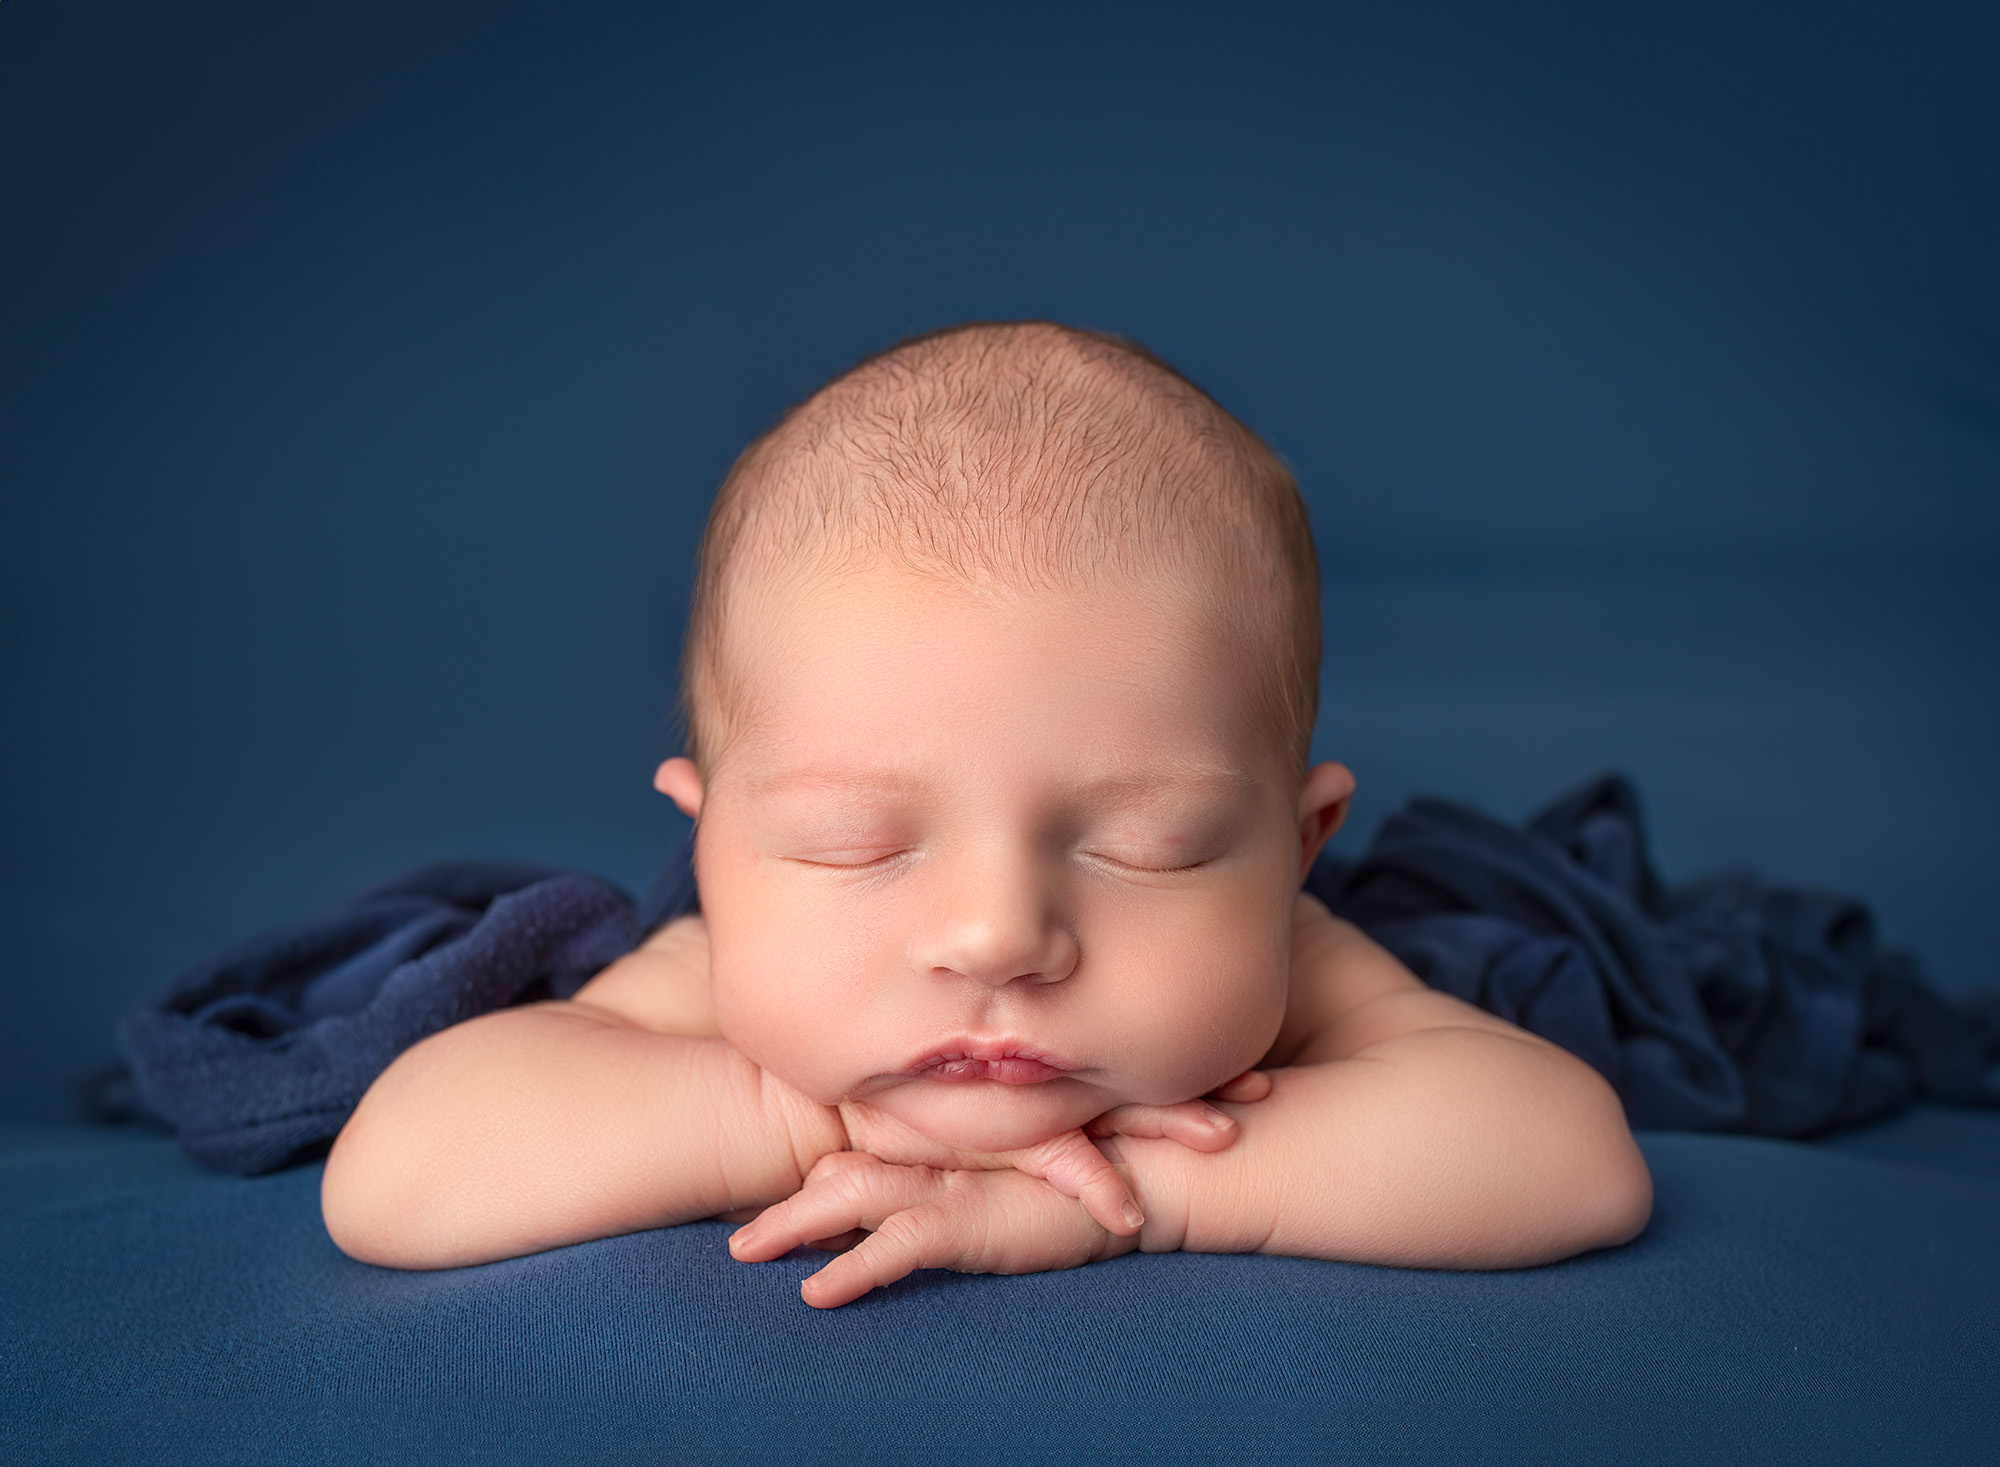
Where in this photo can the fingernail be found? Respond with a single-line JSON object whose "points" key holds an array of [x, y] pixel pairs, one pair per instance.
{"points": [[1133, 1217], [1215, 1117]]}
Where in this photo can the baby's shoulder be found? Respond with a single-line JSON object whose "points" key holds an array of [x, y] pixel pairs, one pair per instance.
{"points": [[662, 984], [1348, 992], [1338, 972]]}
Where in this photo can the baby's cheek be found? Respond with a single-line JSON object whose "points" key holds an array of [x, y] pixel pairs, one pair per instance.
{"points": [[775, 1027], [1214, 1015]]}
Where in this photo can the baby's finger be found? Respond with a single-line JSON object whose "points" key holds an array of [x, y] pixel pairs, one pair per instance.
{"points": [[1075, 1168], [836, 1199], [1193, 1123], [919, 1237], [1247, 1088], [806, 1217]]}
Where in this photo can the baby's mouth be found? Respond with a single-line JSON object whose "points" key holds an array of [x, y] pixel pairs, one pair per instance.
{"points": [[1010, 1065]]}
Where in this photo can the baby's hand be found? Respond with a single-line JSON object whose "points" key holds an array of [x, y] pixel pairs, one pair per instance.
{"points": [[986, 1221], [1068, 1162], [1193, 1123]]}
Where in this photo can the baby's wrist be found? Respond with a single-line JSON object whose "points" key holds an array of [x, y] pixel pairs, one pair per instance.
{"points": [[1146, 1164], [810, 1129]]}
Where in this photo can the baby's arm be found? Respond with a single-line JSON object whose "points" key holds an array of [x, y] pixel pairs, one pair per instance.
{"points": [[1409, 1151], [1397, 1126], [550, 1124], [1404, 1127], [619, 1110]]}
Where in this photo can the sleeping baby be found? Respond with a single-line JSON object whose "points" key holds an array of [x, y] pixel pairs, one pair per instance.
{"points": [[1000, 678]]}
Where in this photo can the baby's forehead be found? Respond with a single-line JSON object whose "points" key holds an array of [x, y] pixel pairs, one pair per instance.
{"points": [[865, 593], [1015, 460], [1121, 678]]}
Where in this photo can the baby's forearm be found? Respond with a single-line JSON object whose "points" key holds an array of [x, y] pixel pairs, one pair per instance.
{"points": [[1445, 1148], [541, 1126]]}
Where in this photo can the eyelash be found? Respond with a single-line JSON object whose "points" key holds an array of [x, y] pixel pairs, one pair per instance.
{"points": [[850, 865], [1148, 870], [881, 862]]}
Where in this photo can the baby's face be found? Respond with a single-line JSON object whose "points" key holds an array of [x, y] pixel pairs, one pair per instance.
{"points": [[996, 863]]}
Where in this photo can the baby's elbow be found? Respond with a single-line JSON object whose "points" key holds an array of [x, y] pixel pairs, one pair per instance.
{"points": [[1611, 1184], [350, 1207], [366, 1208], [358, 1233], [1621, 1199]]}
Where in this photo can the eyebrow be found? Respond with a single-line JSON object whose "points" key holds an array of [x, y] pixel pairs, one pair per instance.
{"points": [[880, 781], [1111, 788]]}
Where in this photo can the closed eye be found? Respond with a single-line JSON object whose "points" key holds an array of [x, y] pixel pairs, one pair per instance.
{"points": [[849, 860], [1151, 866]]}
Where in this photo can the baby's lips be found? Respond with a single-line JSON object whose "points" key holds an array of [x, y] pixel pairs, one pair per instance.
{"points": [[1009, 1061], [1011, 1070]]}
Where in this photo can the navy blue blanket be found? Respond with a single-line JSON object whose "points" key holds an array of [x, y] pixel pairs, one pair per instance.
{"points": [[257, 1057], [1728, 1004]]}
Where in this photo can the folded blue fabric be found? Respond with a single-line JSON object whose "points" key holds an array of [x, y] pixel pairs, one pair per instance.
{"points": [[257, 1057], [1728, 1004]]}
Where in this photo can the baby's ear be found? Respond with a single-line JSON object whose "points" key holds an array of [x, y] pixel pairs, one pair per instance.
{"points": [[1322, 806], [680, 782]]}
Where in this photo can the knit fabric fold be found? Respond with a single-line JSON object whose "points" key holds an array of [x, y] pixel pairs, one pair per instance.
{"points": [[257, 1057], [1725, 1004]]}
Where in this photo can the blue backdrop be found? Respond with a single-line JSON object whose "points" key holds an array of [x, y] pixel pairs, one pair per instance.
{"points": [[365, 370]]}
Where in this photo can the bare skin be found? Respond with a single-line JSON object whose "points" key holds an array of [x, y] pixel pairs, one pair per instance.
{"points": [[623, 1109], [679, 1127], [996, 886]]}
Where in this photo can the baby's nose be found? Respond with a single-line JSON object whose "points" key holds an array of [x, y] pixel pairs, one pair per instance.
{"points": [[996, 927]]}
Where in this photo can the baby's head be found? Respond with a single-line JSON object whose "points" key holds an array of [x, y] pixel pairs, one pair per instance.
{"points": [[1000, 677]]}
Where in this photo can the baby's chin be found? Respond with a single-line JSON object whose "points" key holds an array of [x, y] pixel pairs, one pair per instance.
{"points": [[987, 1115]]}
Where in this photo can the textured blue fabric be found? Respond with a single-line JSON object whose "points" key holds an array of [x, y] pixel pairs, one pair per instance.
{"points": [[257, 1057], [1725, 1004], [1788, 1304]]}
